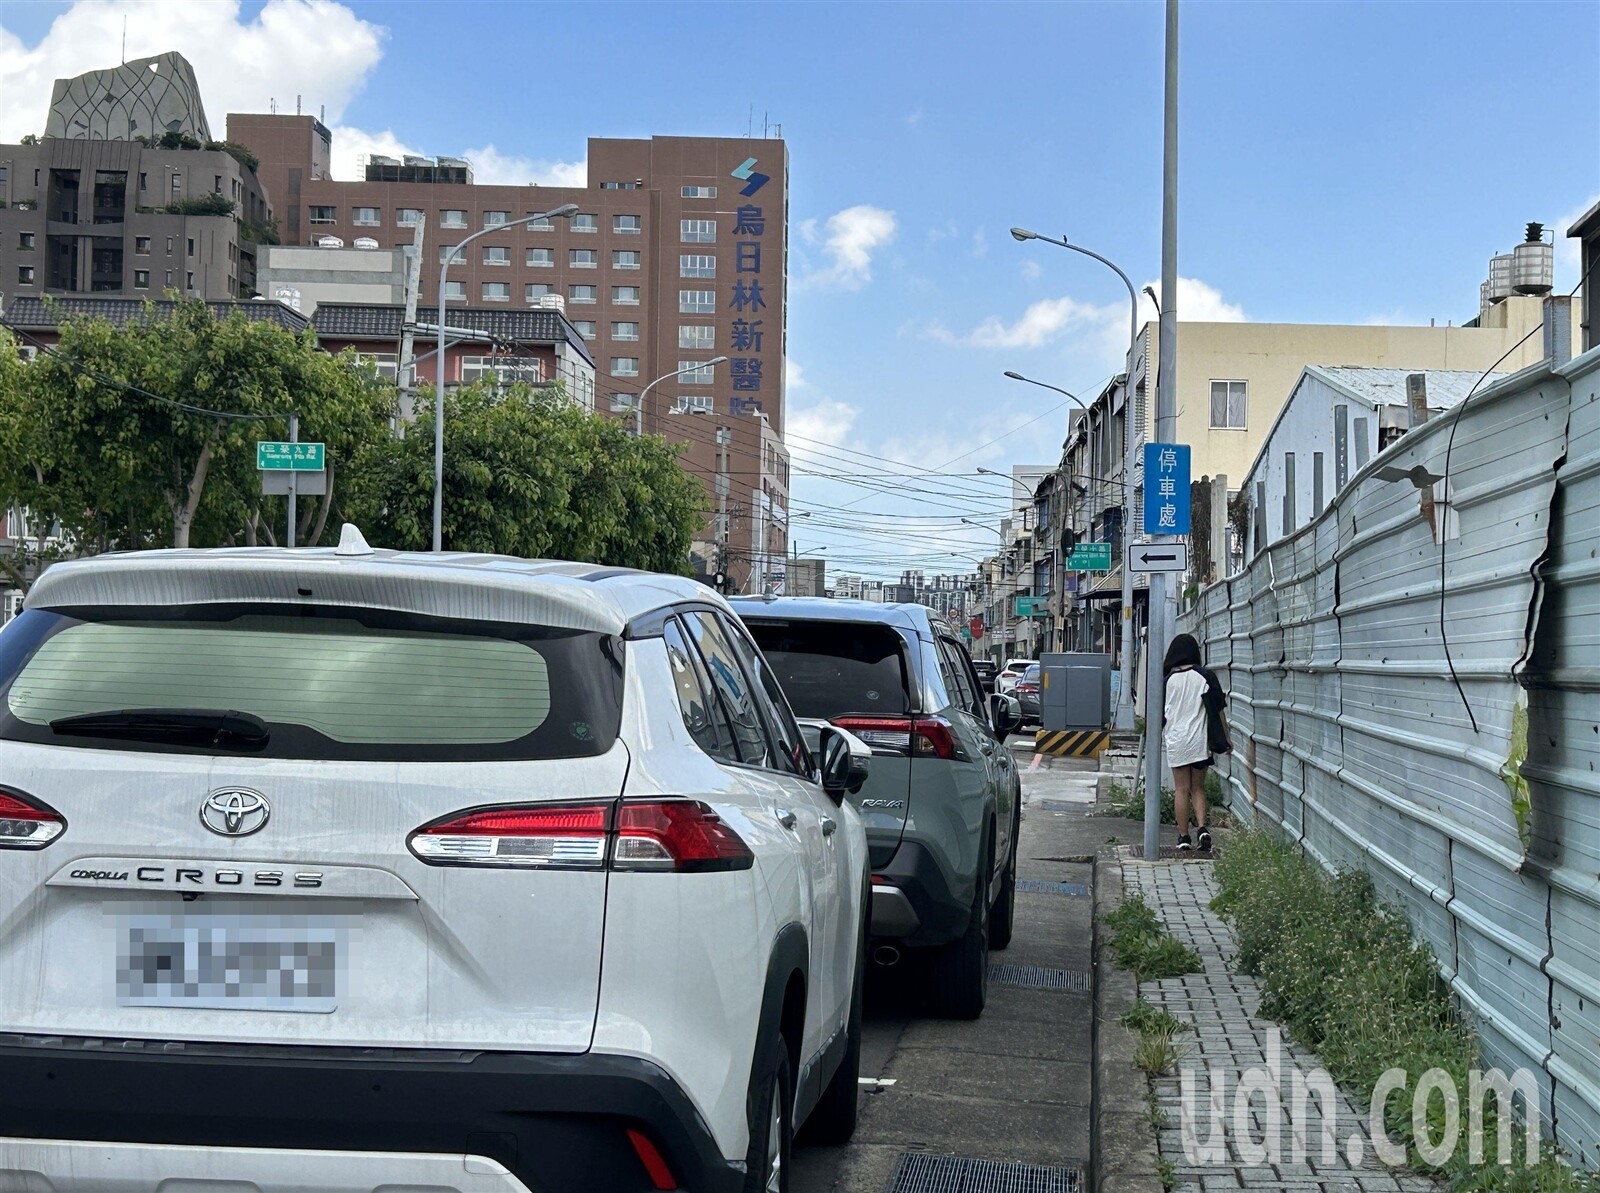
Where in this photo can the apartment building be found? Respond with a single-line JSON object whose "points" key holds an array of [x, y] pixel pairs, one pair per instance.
{"points": [[678, 254]]}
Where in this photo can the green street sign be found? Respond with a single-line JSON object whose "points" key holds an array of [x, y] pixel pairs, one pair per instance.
{"points": [[1090, 557], [1030, 606], [291, 457]]}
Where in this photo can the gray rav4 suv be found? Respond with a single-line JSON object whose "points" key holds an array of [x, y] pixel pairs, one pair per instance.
{"points": [[942, 804]]}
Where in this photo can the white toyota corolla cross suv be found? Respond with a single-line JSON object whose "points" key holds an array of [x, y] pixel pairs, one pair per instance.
{"points": [[346, 870]]}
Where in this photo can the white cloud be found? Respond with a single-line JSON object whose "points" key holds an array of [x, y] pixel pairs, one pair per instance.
{"points": [[826, 420], [793, 375], [949, 231], [1032, 270], [848, 240], [316, 49], [1568, 262], [1197, 303], [491, 166], [915, 118], [1043, 322], [980, 243]]}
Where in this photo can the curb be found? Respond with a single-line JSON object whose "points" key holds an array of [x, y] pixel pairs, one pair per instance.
{"points": [[1122, 1143]]}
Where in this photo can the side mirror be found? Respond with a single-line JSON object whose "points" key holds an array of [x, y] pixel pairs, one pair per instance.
{"points": [[1005, 714], [846, 760]]}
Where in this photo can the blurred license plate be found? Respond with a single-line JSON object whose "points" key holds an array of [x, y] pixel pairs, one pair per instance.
{"points": [[259, 963]]}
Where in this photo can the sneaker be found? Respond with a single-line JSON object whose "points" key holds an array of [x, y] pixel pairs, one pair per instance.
{"points": [[1202, 839], [1183, 844]]}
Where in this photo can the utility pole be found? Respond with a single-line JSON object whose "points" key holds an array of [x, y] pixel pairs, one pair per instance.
{"points": [[408, 388], [722, 499], [294, 482], [1160, 631]]}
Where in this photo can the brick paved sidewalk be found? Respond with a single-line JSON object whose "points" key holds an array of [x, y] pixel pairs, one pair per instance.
{"points": [[1232, 1042]]}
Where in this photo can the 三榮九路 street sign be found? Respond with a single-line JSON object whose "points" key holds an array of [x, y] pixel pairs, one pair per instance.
{"points": [[1090, 557], [1158, 557], [291, 457], [1166, 488]]}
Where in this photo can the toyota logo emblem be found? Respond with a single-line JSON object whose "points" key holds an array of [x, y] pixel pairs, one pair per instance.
{"points": [[235, 812]]}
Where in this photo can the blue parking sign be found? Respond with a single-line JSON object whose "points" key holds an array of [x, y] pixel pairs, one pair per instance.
{"points": [[1166, 488]]}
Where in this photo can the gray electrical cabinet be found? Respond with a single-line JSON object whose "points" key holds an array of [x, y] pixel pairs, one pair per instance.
{"points": [[1075, 691]]}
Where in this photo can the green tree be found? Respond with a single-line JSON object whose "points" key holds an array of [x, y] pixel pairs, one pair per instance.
{"points": [[529, 473], [144, 436]]}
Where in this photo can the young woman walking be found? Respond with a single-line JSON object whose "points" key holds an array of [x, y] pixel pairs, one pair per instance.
{"points": [[1194, 729]]}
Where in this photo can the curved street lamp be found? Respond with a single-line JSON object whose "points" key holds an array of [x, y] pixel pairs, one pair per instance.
{"points": [[1082, 405], [638, 410], [1123, 718], [562, 212]]}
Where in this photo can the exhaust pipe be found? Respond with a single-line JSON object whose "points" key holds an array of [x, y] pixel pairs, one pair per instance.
{"points": [[886, 955]]}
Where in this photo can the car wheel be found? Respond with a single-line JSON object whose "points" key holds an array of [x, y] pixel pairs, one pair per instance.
{"points": [[833, 1119], [772, 1128], [1004, 913], [961, 968]]}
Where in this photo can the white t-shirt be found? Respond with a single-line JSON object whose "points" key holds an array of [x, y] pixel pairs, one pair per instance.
{"points": [[1183, 732]]}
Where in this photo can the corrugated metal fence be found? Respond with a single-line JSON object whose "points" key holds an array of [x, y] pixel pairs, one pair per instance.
{"points": [[1414, 686]]}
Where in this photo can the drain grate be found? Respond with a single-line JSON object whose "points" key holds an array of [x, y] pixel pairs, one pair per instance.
{"points": [[1037, 977], [916, 1172], [1038, 886], [1058, 805], [1169, 853]]}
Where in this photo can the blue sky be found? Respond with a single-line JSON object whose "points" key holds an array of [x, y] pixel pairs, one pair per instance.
{"points": [[1339, 163]]}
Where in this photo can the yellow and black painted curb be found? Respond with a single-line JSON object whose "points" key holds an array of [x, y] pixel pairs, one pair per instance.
{"points": [[1071, 743]]}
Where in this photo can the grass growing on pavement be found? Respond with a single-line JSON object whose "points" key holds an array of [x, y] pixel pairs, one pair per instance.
{"points": [[1350, 982], [1156, 1052], [1147, 1017], [1141, 946]]}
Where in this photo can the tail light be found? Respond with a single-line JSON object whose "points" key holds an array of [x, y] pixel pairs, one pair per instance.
{"points": [[25, 823], [917, 737], [655, 1165], [667, 834]]}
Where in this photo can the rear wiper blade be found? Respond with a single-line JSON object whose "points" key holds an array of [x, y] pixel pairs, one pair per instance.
{"points": [[224, 728]]}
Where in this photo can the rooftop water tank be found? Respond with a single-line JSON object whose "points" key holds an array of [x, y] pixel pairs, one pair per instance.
{"points": [[1500, 270], [413, 160], [552, 302], [452, 161], [1533, 263], [330, 242], [380, 159], [365, 242]]}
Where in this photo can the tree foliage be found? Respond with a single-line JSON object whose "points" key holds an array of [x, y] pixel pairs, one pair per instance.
{"points": [[528, 473], [118, 437]]}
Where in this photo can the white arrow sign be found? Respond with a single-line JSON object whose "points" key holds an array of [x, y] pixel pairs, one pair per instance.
{"points": [[1158, 557]]}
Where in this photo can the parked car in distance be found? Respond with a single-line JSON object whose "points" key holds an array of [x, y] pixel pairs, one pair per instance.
{"points": [[987, 671], [1010, 673], [943, 800], [353, 869], [1027, 694]]}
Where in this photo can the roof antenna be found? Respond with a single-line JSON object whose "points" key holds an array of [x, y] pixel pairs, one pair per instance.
{"points": [[124, 39]]}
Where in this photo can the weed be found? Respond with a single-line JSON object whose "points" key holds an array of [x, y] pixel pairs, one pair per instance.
{"points": [[1155, 1053], [1157, 1116], [1141, 946], [1147, 1017], [1168, 1173]]}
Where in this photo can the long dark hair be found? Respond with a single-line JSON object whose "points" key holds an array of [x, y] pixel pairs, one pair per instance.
{"points": [[1183, 652]]}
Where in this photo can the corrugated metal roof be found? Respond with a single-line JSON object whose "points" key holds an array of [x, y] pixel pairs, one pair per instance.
{"points": [[48, 313], [1387, 387]]}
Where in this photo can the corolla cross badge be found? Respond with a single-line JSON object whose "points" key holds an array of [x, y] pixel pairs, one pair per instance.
{"points": [[235, 812]]}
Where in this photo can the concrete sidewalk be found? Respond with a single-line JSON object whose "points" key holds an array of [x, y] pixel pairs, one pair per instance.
{"points": [[1238, 1142]]}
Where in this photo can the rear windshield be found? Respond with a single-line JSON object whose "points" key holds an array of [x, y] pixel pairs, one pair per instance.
{"points": [[829, 668], [329, 683]]}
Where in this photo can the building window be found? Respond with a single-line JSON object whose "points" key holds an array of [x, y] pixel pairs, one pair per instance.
{"points": [[585, 328], [384, 364], [699, 192], [694, 372], [169, 246], [584, 258], [502, 370], [622, 403], [534, 291], [697, 302], [191, 246], [496, 255], [693, 404], [177, 184], [324, 215], [455, 292], [545, 225], [624, 331], [1228, 404], [169, 279], [697, 231], [626, 225], [366, 217], [408, 217], [624, 366], [625, 296], [582, 294], [26, 241], [144, 182], [452, 217], [189, 283], [697, 335], [141, 245], [497, 292], [625, 259], [541, 258], [696, 265], [495, 219], [141, 279], [585, 222], [24, 275], [455, 256]]}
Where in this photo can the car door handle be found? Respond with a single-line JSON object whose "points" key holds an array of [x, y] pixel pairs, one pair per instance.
{"points": [[785, 817], [828, 826]]}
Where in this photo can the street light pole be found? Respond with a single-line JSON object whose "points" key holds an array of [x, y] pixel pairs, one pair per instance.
{"points": [[1123, 718], [565, 210], [638, 409], [999, 560]]}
